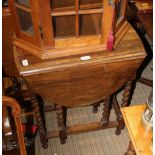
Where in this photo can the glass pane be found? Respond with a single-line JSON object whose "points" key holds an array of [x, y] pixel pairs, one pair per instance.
{"points": [[25, 21], [90, 24], [119, 9], [4, 3], [24, 2], [64, 26]]}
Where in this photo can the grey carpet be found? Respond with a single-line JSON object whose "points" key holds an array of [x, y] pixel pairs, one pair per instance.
{"points": [[103, 142]]}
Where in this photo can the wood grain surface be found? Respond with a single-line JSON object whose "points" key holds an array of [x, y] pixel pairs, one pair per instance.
{"points": [[72, 82], [9, 66], [140, 138]]}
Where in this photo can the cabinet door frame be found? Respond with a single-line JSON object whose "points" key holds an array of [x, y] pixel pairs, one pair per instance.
{"points": [[34, 38], [121, 19]]}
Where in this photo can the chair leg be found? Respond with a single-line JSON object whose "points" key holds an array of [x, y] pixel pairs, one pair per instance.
{"points": [[106, 112], [127, 94], [119, 116], [61, 124], [39, 120]]}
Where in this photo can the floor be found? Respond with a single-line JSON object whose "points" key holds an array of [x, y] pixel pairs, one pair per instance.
{"points": [[103, 142]]}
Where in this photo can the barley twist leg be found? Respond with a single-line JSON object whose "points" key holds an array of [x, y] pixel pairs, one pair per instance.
{"points": [[106, 112], [126, 94], [61, 124], [39, 121]]}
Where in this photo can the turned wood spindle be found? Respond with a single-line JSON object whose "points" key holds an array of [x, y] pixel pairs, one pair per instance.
{"points": [[106, 112], [126, 98], [38, 117], [120, 121], [61, 124], [126, 94]]}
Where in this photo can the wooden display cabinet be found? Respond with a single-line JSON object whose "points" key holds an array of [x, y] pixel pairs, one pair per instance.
{"points": [[56, 29]]}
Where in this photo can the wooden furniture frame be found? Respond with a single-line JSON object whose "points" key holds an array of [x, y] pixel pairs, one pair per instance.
{"points": [[13, 90], [70, 82], [104, 123], [9, 66], [43, 43], [16, 112]]}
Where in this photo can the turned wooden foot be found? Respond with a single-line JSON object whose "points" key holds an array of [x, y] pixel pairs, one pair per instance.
{"points": [[130, 150], [61, 124], [39, 121], [95, 107], [120, 126], [126, 96], [106, 112], [118, 114]]}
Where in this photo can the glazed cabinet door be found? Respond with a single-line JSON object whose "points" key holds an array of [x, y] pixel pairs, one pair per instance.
{"points": [[26, 20]]}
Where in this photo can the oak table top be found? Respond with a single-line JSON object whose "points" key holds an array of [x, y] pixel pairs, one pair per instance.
{"points": [[139, 137], [72, 82]]}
